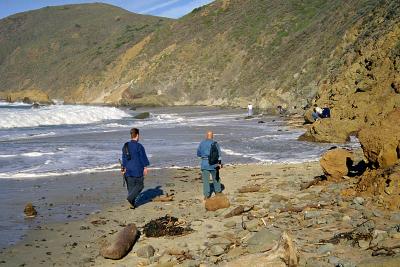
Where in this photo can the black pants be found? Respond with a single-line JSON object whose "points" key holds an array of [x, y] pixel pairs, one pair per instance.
{"points": [[135, 186]]}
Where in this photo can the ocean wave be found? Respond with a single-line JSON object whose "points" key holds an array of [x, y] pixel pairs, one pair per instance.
{"points": [[28, 174], [58, 115]]}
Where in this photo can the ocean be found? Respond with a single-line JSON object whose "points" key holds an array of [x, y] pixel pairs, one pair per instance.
{"points": [[41, 149]]}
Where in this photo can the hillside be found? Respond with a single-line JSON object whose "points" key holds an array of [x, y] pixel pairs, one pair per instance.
{"points": [[227, 53], [233, 52], [63, 50]]}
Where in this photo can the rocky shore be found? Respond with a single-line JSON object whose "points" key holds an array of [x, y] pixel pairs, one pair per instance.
{"points": [[328, 227]]}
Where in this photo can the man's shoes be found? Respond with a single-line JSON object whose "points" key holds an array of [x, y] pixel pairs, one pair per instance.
{"points": [[132, 207], [219, 194]]}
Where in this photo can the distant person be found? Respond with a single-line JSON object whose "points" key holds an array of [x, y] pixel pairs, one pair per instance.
{"points": [[326, 112], [134, 166], [210, 154], [249, 109], [315, 114]]}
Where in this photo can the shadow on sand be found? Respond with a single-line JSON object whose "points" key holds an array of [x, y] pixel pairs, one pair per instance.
{"points": [[148, 195]]}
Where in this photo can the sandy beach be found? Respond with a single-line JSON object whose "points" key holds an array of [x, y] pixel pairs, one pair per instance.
{"points": [[213, 239]]}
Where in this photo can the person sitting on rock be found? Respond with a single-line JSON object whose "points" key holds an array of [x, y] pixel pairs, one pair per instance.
{"points": [[326, 112], [203, 151], [316, 113]]}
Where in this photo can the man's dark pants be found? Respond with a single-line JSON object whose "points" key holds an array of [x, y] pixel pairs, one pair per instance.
{"points": [[135, 186]]}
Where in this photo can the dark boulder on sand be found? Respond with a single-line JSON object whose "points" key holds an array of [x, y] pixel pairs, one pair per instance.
{"points": [[30, 210], [122, 243]]}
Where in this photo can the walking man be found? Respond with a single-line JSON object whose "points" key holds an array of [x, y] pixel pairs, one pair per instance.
{"points": [[207, 168], [249, 110], [134, 166]]}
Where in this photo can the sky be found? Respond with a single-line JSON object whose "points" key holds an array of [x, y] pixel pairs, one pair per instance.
{"points": [[163, 8]]}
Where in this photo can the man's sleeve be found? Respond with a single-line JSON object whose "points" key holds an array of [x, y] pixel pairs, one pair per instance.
{"points": [[124, 157], [143, 157], [199, 151]]}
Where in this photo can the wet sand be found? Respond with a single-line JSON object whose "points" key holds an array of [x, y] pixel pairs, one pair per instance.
{"points": [[77, 242]]}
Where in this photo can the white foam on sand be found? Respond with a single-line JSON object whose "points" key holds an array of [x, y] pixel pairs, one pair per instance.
{"points": [[58, 115], [28, 174]]}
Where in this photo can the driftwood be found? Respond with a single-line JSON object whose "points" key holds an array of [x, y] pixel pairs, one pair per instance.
{"points": [[315, 181], [166, 198], [122, 243], [249, 189], [283, 254], [237, 211], [300, 209], [217, 202]]}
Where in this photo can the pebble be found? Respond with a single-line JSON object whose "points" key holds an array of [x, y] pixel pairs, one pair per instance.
{"points": [[230, 224], [325, 248], [145, 252], [252, 225], [358, 200], [395, 216], [262, 241], [363, 244], [310, 214], [216, 250], [196, 223], [377, 213]]}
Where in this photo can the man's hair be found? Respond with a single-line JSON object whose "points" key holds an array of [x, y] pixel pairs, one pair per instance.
{"points": [[134, 132]]}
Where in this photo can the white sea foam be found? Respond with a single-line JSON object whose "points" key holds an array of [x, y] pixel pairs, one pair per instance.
{"points": [[31, 174], [36, 154], [58, 115]]}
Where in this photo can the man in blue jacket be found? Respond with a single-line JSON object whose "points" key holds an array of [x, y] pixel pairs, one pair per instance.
{"points": [[203, 151], [134, 166]]}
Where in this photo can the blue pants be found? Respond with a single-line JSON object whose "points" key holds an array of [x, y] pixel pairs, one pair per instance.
{"points": [[205, 174], [135, 186]]}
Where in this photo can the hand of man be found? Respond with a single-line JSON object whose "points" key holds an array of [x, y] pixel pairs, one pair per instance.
{"points": [[123, 170], [145, 171]]}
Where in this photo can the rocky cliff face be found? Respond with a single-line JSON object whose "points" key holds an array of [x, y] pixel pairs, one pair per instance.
{"points": [[229, 52], [364, 77]]}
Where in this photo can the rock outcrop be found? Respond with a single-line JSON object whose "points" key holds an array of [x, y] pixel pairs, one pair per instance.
{"points": [[381, 142], [330, 131], [28, 96], [335, 163]]}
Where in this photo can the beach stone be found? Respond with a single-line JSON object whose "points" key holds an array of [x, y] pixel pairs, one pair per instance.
{"points": [[216, 250], [334, 163], [30, 210], [262, 241], [196, 223], [325, 248], [358, 200], [122, 244], [363, 244], [316, 263], [395, 216], [217, 202], [311, 214], [235, 252], [335, 261], [253, 225], [381, 262], [230, 224], [145, 252], [378, 237], [189, 263]]}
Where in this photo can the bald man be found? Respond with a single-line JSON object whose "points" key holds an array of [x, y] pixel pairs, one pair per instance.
{"points": [[203, 151]]}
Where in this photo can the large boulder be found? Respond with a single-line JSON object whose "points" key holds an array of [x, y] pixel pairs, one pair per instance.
{"points": [[220, 201], [28, 96], [381, 142], [330, 131], [335, 163], [122, 243]]}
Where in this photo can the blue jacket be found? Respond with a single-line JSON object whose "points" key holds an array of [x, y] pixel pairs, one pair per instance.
{"points": [[203, 151], [135, 166]]}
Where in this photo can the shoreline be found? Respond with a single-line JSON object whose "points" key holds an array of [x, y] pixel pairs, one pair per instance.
{"points": [[77, 242]]}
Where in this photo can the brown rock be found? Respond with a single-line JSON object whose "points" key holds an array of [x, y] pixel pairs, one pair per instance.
{"points": [[330, 131], [217, 202], [30, 210], [122, 243], [283, 254], [381, 142], [334, 163]]}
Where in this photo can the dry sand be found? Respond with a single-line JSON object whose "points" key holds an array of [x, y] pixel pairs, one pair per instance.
{"points": [[77, 243]]}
